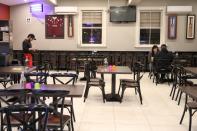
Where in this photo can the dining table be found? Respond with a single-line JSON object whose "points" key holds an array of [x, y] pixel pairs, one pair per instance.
{"points": [[74, 90], [113, 70], [15, 71]]}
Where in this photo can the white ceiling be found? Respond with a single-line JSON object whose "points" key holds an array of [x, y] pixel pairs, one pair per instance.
{"points": [[16, 2]]}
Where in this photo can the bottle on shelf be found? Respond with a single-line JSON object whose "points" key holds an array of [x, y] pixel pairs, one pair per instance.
{"points": [[105, 63]]}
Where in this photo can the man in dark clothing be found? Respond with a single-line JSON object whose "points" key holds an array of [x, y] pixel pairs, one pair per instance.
{"points": [[27, 47], [163, 61], [27, 43]]}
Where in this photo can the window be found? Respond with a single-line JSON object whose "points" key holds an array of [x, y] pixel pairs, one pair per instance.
{"points": [[151, 26], [92, 31]]}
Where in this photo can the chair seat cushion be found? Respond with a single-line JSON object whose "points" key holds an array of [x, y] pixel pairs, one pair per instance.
{"points": [[54, 120], [192, 105], [129, 84], [96, 83], [127, 80], [14, 121]]}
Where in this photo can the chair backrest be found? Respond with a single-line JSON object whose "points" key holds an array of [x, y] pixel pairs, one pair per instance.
{"points": [[30, 115], [87, 71], [41, 77], [58, 99], [44, 68], [181, 62], [137, 71], [19, 94], [160, 63]]}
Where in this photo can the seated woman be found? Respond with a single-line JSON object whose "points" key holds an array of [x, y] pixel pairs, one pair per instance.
{"points": [[163, 61], [154, 51]]}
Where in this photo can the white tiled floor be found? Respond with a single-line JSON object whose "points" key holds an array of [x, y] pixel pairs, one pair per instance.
{"points": [[158, 112]]}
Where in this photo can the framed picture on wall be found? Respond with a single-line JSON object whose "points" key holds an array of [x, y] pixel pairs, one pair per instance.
{"points": [[54, 26], [190, 27], [172, 27], [70, 26]]}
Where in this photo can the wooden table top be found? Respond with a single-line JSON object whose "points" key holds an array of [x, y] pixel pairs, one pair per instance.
{"points": [[114, 70], [191, 69], [14, 69], [74, 90]]}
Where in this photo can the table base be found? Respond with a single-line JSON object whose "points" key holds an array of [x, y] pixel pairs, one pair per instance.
{"points": [[83, 79], [113, 98]]}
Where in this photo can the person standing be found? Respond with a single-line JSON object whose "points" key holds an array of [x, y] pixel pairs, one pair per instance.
{"points": [[27, 48], [154, 51]]}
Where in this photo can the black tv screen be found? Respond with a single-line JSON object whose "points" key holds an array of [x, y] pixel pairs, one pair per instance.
{"points": [[123, 14]]}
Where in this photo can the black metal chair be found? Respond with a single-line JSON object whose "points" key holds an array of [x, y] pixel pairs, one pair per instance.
{"points": [[56, 119], [132, 83], [5, 79], [192, 108], [30, 115], [10, 98], [68, 102], [93, 82]]}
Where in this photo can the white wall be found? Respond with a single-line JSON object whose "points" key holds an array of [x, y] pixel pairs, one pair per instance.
{"points": [[120, 37]]}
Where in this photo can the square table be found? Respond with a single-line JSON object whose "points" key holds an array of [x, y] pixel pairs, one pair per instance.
{"points": [[15, 71], [114, 70], [74, 90]]}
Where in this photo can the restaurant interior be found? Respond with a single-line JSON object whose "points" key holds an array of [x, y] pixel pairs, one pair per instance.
{"points": [[92, 65]]}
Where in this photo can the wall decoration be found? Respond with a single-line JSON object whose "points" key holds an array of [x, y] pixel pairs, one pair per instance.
{"points": [[54, 26], [172, 27], [70, 26], [190, 27]]}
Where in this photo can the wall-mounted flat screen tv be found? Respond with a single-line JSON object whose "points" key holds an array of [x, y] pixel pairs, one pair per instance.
{"points": [[123, 14]]}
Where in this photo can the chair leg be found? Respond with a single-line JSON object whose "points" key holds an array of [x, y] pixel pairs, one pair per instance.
{"points": [[180, 98], [190, 118], [72, 110], [72, 126], [174, 91], [135, 91], [119, 87], [122, 94], [103, 93], [86, 93], [177, 94], [185, 109], [140, 95]]}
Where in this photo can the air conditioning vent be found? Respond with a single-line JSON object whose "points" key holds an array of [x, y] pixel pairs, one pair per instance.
{"points": [[66, 10], [179, 9]]}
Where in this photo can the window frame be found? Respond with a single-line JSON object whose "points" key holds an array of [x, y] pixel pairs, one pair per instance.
{"points": [[104, 23], [162, 27]]}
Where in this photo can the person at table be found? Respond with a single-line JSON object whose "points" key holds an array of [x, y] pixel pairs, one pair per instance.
{"points": [[154, 51], [27, 48], [164, 59]]}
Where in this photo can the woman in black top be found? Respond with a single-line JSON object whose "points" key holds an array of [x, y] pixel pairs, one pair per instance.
{"points": [[154, 51]]}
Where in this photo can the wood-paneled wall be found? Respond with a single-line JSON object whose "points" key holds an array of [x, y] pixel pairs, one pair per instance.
{"points": [[63, 59]]}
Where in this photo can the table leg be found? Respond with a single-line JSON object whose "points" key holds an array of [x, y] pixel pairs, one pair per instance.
{"points": [[113, 96]]}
